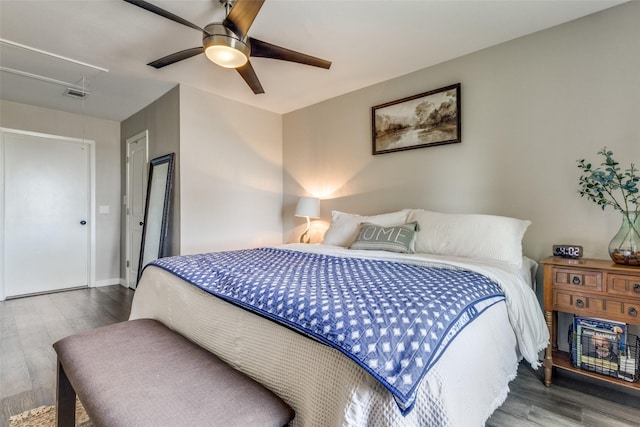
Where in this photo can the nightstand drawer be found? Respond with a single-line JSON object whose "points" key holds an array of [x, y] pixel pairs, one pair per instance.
{"points": [[623, 285], [577, 279], [632, 312], [570, 302], [622, 311]]}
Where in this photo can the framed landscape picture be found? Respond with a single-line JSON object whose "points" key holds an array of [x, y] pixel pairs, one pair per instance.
{"points": [[423, 120]]}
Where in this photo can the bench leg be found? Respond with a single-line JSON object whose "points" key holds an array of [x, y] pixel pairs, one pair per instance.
{"points": [[65, 400]]}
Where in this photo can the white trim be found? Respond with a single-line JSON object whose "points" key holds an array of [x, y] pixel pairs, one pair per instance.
{"points": [[45, 79], [92, 200], [53, 55], [128, 256], [109, 282], [2, 132], [92, 212]]}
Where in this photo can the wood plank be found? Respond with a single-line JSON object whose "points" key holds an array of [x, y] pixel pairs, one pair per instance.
{"points": [[14, 372], [30, 326], [571, 400], [505, 419], [16, 404], [594, 418], [549, 417]]}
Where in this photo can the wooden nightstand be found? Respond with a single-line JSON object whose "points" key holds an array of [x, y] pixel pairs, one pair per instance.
{"points": [[587, 287]]}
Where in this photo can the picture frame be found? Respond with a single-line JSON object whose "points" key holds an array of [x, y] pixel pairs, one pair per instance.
{"points": [[424, 120]]}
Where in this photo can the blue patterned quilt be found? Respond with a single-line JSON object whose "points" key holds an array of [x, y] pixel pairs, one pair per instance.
{"points": [[394, 319]]}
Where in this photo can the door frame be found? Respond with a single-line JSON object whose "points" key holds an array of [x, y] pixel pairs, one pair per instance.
{"points": [[91, 248], [129, 256]]}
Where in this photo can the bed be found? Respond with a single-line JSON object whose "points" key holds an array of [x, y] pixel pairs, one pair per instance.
{"points": [[467, 377]]}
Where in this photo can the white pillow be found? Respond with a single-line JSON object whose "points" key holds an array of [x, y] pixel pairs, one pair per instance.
{"points": [[470, 235], [345, 226]]}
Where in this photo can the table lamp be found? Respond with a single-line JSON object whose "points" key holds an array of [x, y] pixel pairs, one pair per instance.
{"points": [[308, 207]]}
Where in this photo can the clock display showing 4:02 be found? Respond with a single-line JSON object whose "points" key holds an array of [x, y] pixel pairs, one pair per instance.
{"points": [[567, 251]]}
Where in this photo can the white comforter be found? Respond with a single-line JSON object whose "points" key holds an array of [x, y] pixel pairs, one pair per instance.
{"points": [[326, 388]]}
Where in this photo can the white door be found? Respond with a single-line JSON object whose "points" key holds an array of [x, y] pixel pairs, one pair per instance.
{"points": [[136, 195], [46, 213]]}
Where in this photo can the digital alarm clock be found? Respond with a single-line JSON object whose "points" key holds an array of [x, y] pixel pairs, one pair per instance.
{"points": [[567, 251]]}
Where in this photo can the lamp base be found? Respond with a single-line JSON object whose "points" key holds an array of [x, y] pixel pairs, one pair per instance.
{"points": [[305, 238]]}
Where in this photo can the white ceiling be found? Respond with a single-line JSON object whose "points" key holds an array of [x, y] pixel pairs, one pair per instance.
{"points": [[368, 41]]}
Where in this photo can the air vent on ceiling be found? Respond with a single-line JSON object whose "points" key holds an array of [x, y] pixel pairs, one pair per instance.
{"points": [[76, 93]]}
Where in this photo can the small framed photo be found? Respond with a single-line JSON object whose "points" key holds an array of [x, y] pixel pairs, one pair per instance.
{"points": [[423, 120]]}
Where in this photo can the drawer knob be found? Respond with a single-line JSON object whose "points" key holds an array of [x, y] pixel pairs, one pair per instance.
{"points": [[579, 303], [636, 287], [576, 280], [632, 312]]}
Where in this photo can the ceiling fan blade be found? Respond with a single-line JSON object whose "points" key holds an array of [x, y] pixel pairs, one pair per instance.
{"points": [[242, 15], [165, 14], [175, 57], [267, 50], [249, 76]]}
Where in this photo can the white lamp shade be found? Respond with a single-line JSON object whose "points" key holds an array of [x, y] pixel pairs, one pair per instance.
{"points": [[309, 207]]}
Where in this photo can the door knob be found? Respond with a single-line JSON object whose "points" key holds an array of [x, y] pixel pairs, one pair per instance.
{"points": [[83, 222]]}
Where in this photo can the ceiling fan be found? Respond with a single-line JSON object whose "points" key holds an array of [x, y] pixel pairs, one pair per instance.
{"points": [[226, 43]]}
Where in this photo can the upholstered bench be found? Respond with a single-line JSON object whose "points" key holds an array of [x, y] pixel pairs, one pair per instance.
{"points": [[140, 373]]}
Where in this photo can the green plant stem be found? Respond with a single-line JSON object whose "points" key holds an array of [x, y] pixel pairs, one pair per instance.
{"points": [[632, 225], [599, 185]]}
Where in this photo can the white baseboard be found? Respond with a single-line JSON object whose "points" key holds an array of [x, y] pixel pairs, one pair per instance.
{"points": [[109, 282]]}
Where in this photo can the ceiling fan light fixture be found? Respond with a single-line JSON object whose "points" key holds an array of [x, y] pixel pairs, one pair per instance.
{"points": [[224, 48], [225, 56]]}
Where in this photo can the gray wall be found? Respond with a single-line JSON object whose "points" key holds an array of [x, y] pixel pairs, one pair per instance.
{"points": [[106, 134], [530, 108], [228, 177], [162, 119]]}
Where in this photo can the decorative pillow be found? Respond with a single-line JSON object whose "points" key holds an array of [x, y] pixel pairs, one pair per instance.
{"points": [[470, 235], [344, 226], [399, 238]]}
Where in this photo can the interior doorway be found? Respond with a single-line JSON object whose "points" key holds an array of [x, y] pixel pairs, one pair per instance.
{"points": [[137, 167], [47, 212]]}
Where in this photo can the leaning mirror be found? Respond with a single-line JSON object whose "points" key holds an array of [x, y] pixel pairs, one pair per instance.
{"points": [[156, 213]]}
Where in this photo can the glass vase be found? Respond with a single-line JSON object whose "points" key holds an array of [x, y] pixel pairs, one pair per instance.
{"points": [[625, 245]]}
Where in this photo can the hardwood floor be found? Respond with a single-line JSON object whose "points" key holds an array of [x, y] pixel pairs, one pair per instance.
{"points": [[570, 401], [29, 326]]}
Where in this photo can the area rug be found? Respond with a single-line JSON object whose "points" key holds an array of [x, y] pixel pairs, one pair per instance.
{"points": [[45, 416]]}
